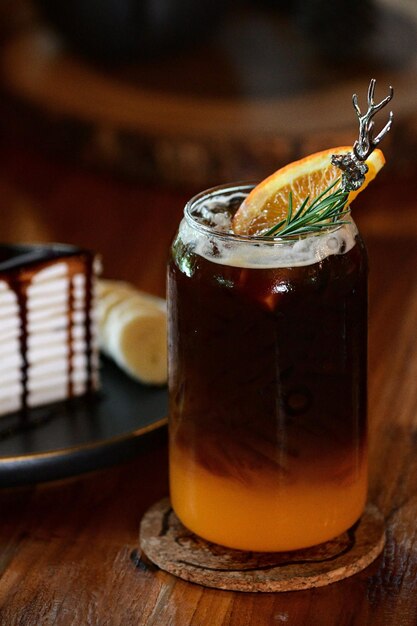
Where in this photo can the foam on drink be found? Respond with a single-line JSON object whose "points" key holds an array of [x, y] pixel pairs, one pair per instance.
{"points": [[213, 215]]}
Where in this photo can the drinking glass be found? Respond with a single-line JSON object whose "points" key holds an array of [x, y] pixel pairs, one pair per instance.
{"points": [[267, 380]]}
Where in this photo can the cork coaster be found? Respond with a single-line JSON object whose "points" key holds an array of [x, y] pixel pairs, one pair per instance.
{"points": [[173, 548]]}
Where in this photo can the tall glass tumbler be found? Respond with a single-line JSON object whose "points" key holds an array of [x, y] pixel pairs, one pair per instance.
{"points": [[267, 380]]}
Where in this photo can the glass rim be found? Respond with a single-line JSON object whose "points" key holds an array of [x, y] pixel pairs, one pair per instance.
{"points": [[227, 236]]}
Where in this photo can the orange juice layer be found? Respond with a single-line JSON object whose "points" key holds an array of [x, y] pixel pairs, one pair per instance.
{"points": [[259, 517]]}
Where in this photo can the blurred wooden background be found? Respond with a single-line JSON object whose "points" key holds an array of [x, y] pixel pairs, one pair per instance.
{"points": [[252, 94]]}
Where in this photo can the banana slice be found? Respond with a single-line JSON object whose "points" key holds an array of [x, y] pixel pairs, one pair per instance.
{"points": [[133, 330]]}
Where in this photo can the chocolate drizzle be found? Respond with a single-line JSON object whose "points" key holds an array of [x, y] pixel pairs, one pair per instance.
{"points": [[19, 287], [89, 321], [71, 301]]}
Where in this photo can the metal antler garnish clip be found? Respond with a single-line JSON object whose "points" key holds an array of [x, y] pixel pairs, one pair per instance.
{"points": [[352, 164]]}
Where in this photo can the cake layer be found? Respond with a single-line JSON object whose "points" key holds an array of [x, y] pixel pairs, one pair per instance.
{"points": [[48, 338]]}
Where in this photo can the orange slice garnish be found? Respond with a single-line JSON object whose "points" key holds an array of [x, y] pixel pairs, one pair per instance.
{"points": [[267, 204]]}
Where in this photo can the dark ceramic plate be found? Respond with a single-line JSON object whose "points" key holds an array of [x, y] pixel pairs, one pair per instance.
{"points": [[81, 435]]}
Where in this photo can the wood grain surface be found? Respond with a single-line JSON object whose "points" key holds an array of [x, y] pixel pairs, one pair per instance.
{"points": [[68, 550]]}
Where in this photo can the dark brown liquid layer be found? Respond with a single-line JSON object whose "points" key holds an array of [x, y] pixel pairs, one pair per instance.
{"points": [[268, 366]]}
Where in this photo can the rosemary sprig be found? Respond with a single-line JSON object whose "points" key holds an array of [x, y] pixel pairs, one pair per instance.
{"points": [[326, 209]]}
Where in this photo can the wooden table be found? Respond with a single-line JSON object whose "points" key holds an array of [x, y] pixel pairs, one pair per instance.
{"points": [[68, 550]]}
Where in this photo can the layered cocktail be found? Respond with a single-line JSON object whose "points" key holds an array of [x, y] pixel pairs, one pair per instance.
{"points": [[267, 380]]}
